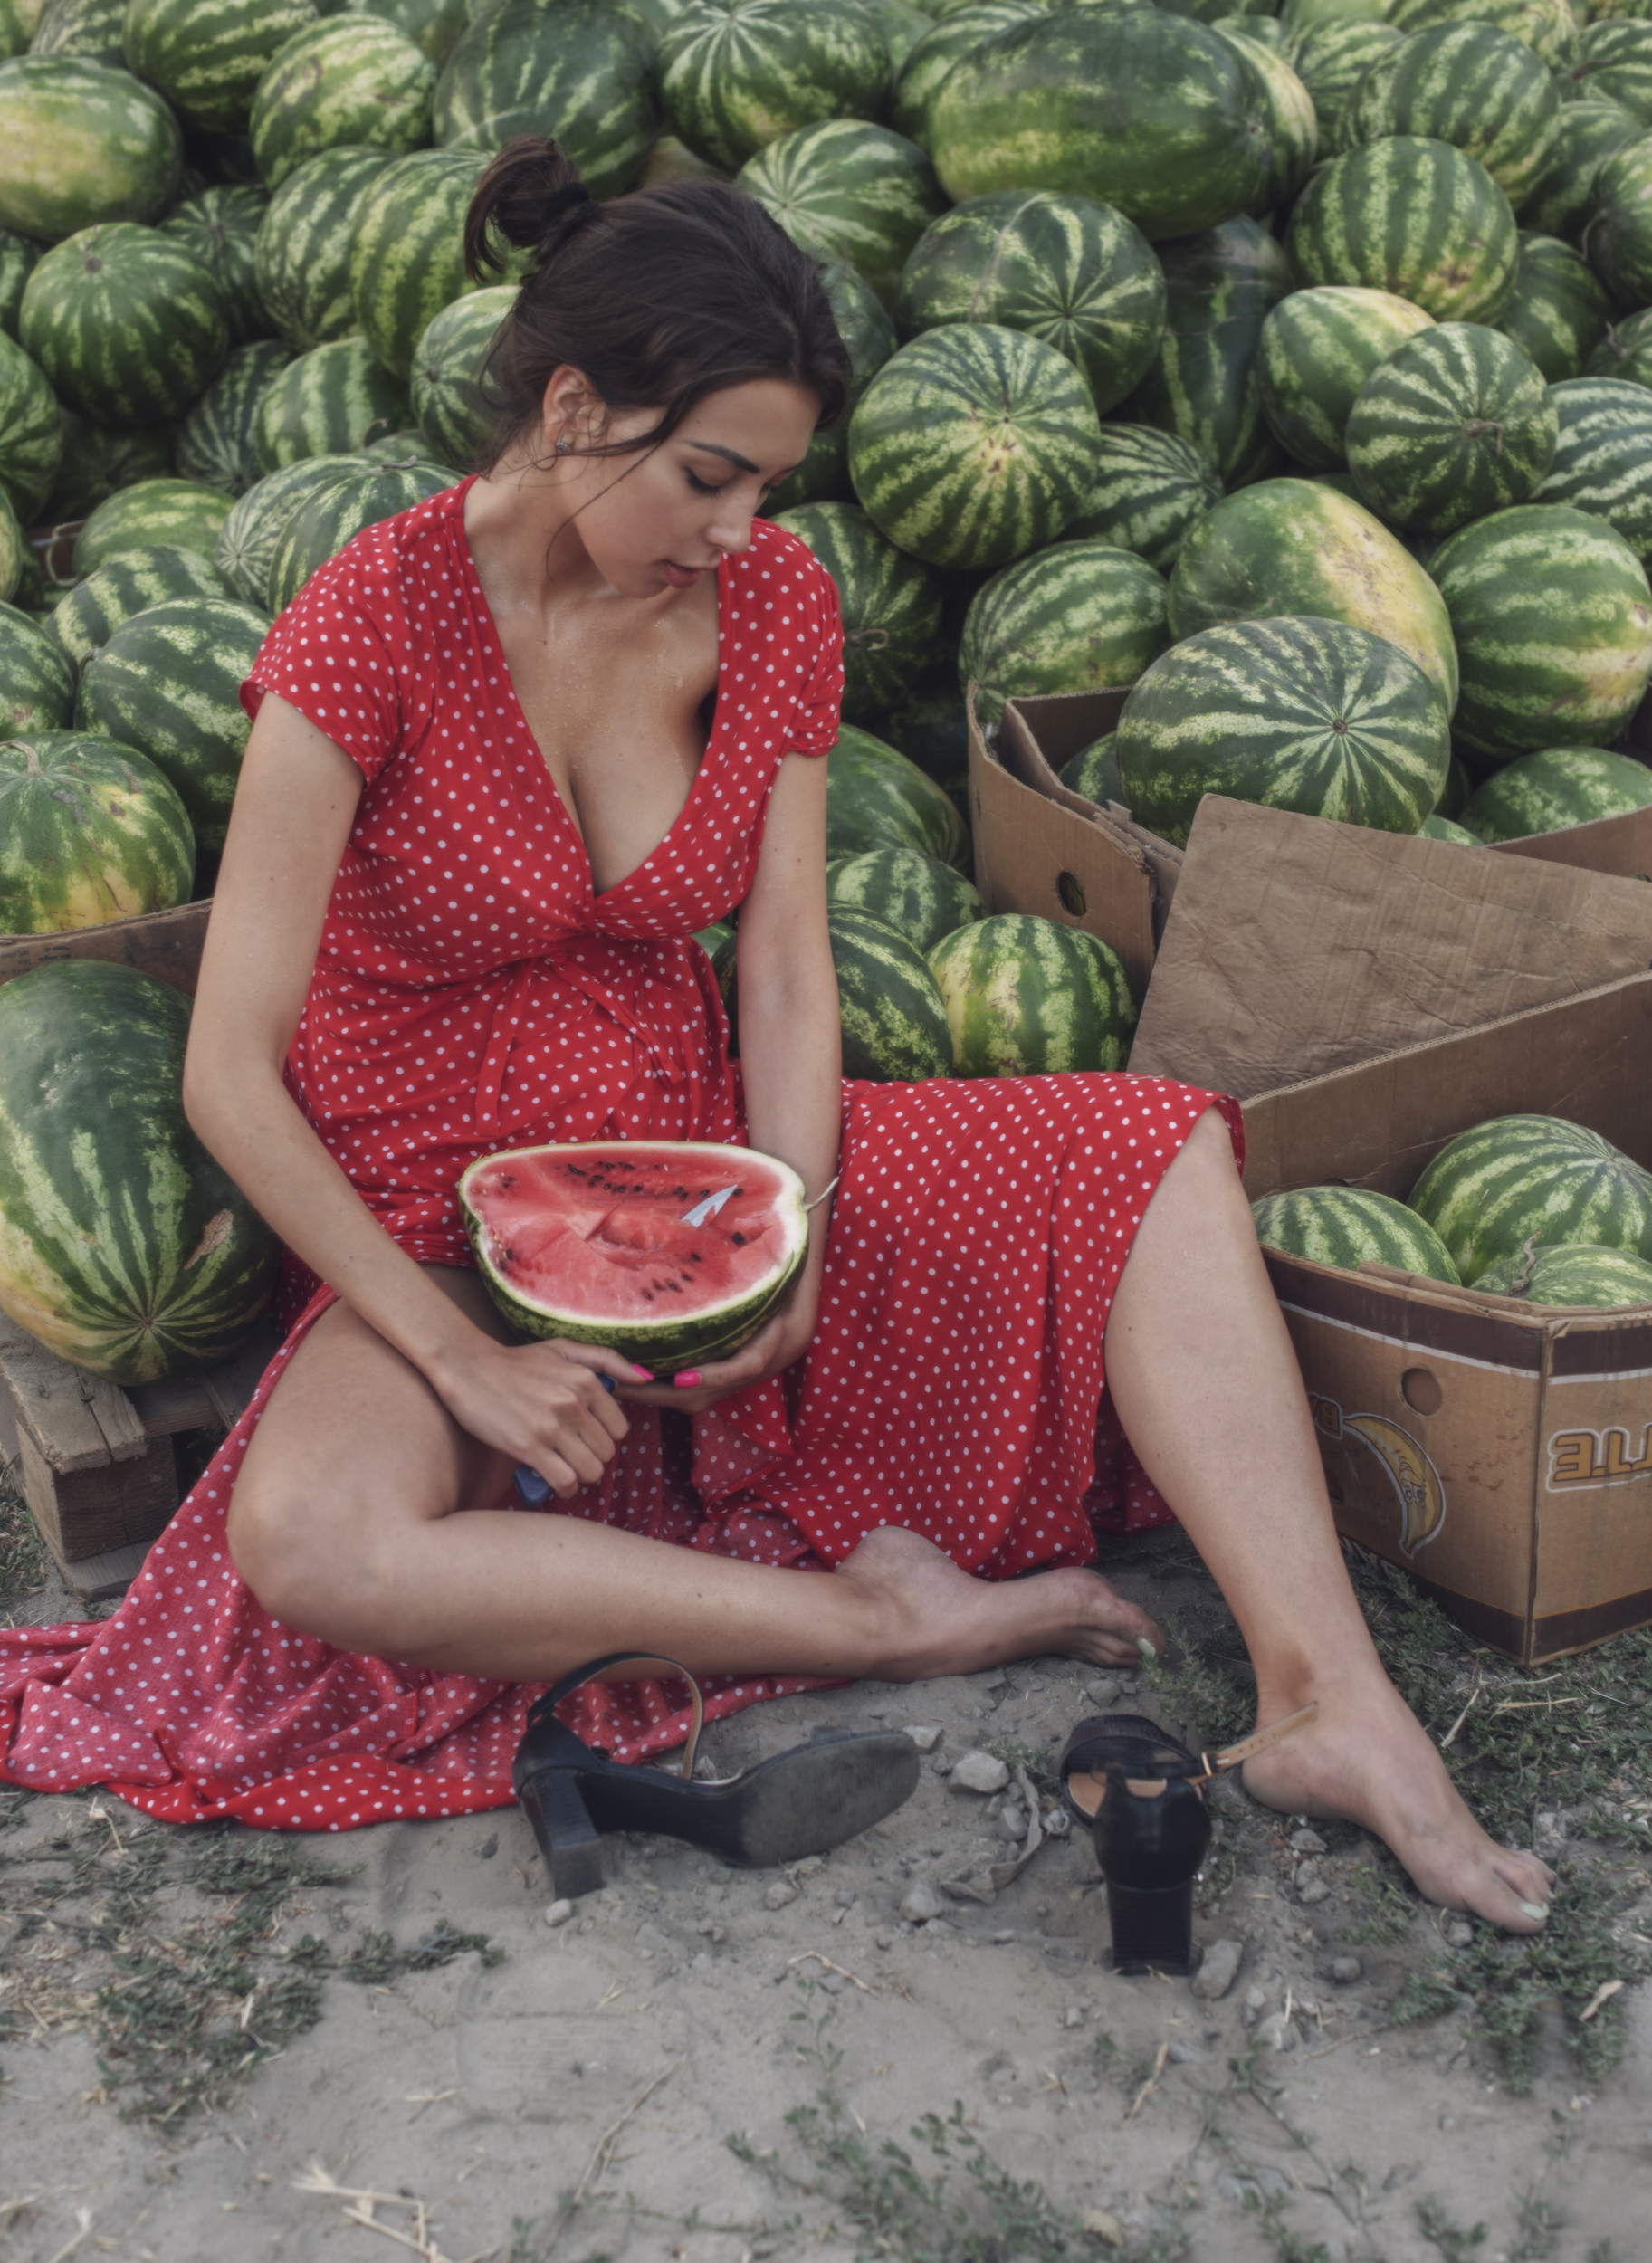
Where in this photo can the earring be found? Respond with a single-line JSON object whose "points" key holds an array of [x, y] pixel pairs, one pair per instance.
{"points": [[564, 446]]}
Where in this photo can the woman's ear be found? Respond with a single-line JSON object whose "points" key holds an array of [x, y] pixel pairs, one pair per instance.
{"points": [[568, 410]]}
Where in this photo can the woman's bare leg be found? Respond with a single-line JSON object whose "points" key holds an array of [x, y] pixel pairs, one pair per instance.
{"points": [[1208, 1389], [365, 1515]]}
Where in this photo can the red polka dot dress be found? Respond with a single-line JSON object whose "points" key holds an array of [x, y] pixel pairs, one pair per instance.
{"points": [[473, 992]]}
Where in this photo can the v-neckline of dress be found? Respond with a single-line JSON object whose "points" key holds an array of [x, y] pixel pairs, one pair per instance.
{"points": [[596, 895]]}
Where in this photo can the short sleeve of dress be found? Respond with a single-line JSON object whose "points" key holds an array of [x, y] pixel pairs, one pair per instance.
{"points": [[331, 655], [814, 723]]}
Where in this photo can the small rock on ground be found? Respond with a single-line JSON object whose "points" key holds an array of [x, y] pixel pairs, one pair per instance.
{"points": [[1345, 1969], [979, 1772], [781, 1896], [1217, 1973], [925, 1739], [920, 1903]]}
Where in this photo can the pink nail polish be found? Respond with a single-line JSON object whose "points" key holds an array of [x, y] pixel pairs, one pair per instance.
{"points": [[687, 1379], [644, 1374]]}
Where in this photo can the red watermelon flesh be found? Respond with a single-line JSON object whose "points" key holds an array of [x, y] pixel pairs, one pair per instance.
{"points": [[590, 1242]]}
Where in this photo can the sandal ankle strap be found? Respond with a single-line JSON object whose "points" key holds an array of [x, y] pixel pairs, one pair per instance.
{"points": [[1235, 1755], [569, 1683]]}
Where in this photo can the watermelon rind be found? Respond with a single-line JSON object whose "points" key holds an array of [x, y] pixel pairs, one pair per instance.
{"points": [[716, 1330], [85, 145], [1413, 216], [581, 71], [849, 190], [1561, 199], [869, 336], [1557, 311], [18, 260], [890, 602], [735, 75], [876, 797], [1025, 996], [31, 431], [302, 260], [97, 461], [1617, 236], [1349, 1226], [94, 30], [1560, 787], [1291, 128], [1081, 616], [448, 405], [351, 80], [1613, 61], [1521, 1178], [1471, 85], [88, 832], [433, 25], [917, 895], [1093, 772], [1570, 1275], [329, 401], [1318, 348], [245, 548], [1150, 489], [36, 682], [1625, 351], [208, 58], [217, 439], [171, 514], [1331, 57], [408, 248], [894, 1023], [87, 616], [15, 557], [328, 517], [126, 322], [1438, 829], [1604, 456], [220, 226], [124, 1247], [1455, 422], [925, 68], [1548, 26]]}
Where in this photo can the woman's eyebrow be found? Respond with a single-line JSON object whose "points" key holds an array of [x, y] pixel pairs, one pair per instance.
{"points": [[710, 447]]}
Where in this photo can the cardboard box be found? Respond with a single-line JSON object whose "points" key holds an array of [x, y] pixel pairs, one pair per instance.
{"points": [[165, 944], [1365, 1014]]}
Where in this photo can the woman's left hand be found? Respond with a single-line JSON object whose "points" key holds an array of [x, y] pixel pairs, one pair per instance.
{"points": [[781, 1340]]}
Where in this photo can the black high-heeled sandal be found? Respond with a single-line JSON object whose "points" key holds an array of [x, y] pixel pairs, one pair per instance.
{"points": [[1142, 1795], [799, 1802]]}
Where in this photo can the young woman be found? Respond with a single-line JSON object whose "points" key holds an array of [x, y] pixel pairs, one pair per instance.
{"points": [[511, 751]]}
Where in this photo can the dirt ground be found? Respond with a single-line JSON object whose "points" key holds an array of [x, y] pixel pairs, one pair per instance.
{"points": [[713, 2065]]}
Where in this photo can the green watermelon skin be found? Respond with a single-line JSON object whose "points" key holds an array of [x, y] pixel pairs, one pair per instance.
{"points": [[351, 81], [1561, 199], [1411, 216], [94, 30], [1151, 113], [973, 445], [1479, 88], [448, 408], [168, 682], [917, 895], [930, 728], [217, 440], [86, 617], [1290, 547], [433, 25], [31, 431], [1604, 456], [1625, 351], [85, 146], [1292, 128], [1507, 581], [1331, 58], [221, 226], [1093, 772], [208, 58], [1613, 62], [1547, 26], [1438, 829], [1295, 714], [890, 602], [1456, 422], [302, 260], [580, 73], [329, 517], [894, 1025], [1026, 997], [1082, 617], [1519, 1179], [877, 799], [901, 26], [849, 190], [331, 401], [1349, 1226], [1150, 489], [1203, 383], [735, 75], [866, 330], [408, 249], [88, 832], [124, 1248], [15, 554], [18, 261], [926, 69], [245, 548], [1616, 238], [129, 326], [97, 461], [1318, 349], [1557, 311], [1571, 1273], [1560, 787], [179, 514], [36, 683]]}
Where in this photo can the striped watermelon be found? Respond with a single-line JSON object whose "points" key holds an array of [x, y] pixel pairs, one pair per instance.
{"points": [[206, 58], [353, 81], [890, 602], [177, 514], [902, 27], [31, 431], [99, 461], [1150, 489], [402, 448], [869, 336], [737, 75], [1025, 996], [433, 25], [302, 260], [408, 249], [36, 683], [894, 1025], [329, 402], [926, 69], [1479, 88], [928, 726], [18, 259], [1331, 58], [849, 190], [1318, 348], [124, 1248], [1520, 1178], [15, 554], [1079, 618], [127, 325], [1571, 1273], [221, 226], [1291, 128], [1295, 714], [1456, 422], [1415, 217], [1548, 26], [1438, 829], [327, 517], [1093, 772], [168, 682], [1557, 311], [447, 406], [1203, 383], [1560, 787], [94, 30], [88, 832], [1616, 238], [1509, 582], [1613, 61], [917, 895], [1561, 200], [1349, 1226], [1603, 457], [876, 799], [88, 615], [1625, 352], [83, 145], [974, 446], [581, 71], [245, 548], [1298, 547], [216, 441], [1151, 113]]}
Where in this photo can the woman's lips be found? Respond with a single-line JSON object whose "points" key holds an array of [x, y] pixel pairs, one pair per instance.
{"points": [[682, 577]]}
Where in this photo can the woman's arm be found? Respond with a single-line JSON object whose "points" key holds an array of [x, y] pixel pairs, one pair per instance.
{"points": [[294, 806]]}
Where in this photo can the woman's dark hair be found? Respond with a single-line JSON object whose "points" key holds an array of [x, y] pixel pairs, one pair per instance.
{"points": [[660, 297]]}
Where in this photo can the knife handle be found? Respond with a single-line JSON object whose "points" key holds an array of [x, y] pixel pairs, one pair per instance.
{"points": [[532, 1490]]}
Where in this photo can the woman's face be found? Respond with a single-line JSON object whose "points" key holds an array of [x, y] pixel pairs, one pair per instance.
{"points": [[661, 519]]}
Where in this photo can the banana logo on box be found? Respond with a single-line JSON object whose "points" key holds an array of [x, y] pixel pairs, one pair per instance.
{"points": [[1422, 1496]]}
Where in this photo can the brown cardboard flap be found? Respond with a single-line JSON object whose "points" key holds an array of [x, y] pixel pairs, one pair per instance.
{"points": [[165, 944], [1621, 845], [1297, 947], [1039, 737]]}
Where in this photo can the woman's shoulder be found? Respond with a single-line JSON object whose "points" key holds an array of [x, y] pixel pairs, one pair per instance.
{"points": [[779, 564]]}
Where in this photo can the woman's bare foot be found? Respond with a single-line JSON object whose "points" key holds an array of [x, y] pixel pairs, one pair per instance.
{"points": [[936, 1619], [1368, 1759]]}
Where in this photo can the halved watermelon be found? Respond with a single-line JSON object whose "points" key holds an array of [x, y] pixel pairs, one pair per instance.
{"points": [[590, 1241]]}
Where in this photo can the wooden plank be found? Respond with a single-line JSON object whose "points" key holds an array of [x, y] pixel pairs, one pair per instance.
{"points": [[75, 1421], [210, 1396], [181, 1402], [96, 1579], [89, 1510]]}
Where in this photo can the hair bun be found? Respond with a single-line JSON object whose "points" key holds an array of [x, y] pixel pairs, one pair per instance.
{"points": [[528, 183]]}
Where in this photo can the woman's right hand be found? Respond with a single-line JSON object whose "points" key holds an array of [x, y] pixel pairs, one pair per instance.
{"points": [[540, 1403]]}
